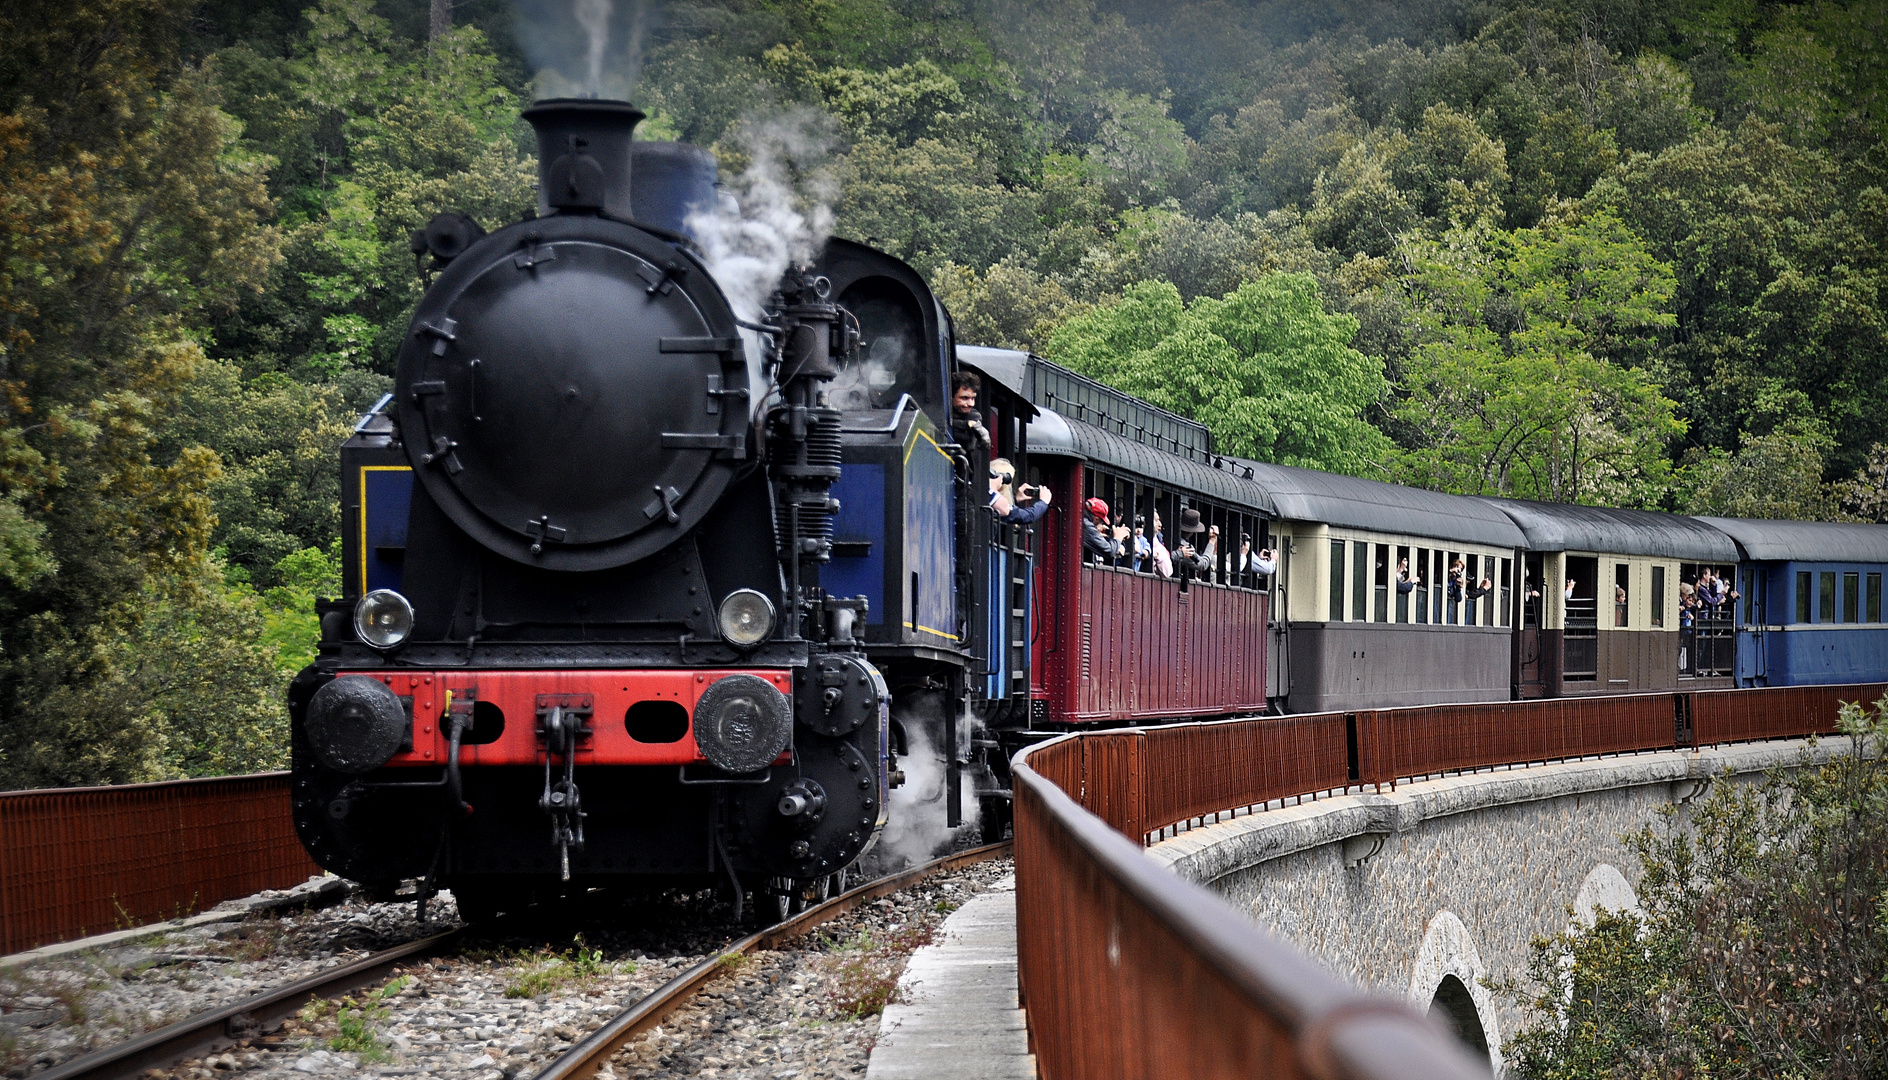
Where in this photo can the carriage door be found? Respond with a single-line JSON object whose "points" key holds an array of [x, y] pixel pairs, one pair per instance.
{"points": [[1527, 640]]}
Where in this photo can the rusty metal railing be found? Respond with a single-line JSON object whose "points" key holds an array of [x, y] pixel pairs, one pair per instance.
{"points": [[1721, 716], [79, 861], [1393, 743], [1130, 972]]}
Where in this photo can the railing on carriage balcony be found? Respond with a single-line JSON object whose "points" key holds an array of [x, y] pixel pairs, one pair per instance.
{"points": [[1128, 971]]}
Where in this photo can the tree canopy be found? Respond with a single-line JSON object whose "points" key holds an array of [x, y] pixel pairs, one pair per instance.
{"points": [[1598, 250]]}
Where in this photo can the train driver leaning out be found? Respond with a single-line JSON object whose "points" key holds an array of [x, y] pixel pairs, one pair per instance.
{"points": [[966, 425], [1026, 506]]}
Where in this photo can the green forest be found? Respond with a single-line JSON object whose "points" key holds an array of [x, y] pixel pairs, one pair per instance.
{"points": [[1610, 252]]}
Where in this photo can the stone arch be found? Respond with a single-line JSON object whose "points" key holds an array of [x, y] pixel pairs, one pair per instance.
{"points": [[1456, 1005], [1447, 979], [1604, 887]]}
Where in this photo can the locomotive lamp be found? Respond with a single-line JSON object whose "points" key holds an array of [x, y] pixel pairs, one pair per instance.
{"points": [[746, 618], [383, 618]]}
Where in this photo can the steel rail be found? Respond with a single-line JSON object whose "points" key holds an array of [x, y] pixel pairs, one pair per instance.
{"points": [[207, 1032], [582, 1060], [218, 1029]]}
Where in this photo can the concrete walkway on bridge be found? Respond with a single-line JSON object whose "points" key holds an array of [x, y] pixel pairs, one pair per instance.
{"points": [[957, 1016]]}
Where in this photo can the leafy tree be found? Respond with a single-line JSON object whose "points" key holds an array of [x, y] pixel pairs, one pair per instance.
{"points": [[1011, 306], [1264, 367], [1138, 150], [1516, 387], [930, 203], [1778, 475], [132, 213], [277, 492], [1865, 495], [1759, 947], [1778, 255]]}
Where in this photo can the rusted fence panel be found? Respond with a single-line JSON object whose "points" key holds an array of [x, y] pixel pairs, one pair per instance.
{"points": [[78, 861], [1195, 769], [1129, 972], [1720, 716], [1114, 779], [1393, 743]]}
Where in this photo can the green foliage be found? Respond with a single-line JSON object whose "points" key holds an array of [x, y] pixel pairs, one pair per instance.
{"points": [[1761, 942], [1778, 475], [1779, 259], [1865, 495], [1607, 253], [1264, 367], [546, 972], [1012, 306], [1517, 386], [356, 1023], [132, 216]]}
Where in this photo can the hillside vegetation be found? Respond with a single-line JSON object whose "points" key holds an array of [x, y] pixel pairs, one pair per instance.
{"points": [[1623, 252]]}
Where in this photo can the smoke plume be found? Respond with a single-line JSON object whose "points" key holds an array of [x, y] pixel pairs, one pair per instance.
{"points": [[582, 48], [781, 212], [915, 831]]}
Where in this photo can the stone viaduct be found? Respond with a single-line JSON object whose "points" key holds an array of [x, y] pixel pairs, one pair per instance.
{"points": [[1426, 890]]}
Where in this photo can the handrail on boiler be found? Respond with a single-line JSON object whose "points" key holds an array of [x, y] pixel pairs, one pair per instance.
{"points": [[898, 411]]}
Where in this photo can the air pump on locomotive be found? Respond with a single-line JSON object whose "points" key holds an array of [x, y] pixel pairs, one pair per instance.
{"points": [[585, 636]]}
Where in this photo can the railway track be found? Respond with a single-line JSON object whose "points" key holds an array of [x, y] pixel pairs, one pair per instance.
{"points": [[215, 1030]]}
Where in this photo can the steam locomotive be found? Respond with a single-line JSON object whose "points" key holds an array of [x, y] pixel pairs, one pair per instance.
{"points": [[640, 591], [588, 632]]}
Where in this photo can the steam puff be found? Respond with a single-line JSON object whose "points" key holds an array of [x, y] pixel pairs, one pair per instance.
{"points": [[915, 831], [594, 15], [581, 48], [782, 213]]}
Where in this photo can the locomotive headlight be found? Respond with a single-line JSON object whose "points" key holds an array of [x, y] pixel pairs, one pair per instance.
{"points": [[746, 617], [383, 618]]}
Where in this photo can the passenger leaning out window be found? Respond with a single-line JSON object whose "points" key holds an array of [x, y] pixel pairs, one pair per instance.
{"points": [[1100, 546]]}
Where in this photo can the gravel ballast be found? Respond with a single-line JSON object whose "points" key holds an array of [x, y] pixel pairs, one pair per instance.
{"points": [[496, 1009]]}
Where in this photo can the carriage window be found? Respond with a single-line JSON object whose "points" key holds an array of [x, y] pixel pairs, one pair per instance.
{"points": [[1337, 581], [1658, 596], [1507, 592], [1419, 572], [1851, 598], [1402, 593], [1359, 581], [1826, 597], [1225, 547], [1381, 583], [1471, 580], [1802, 596], [1622, 577], [1874, 598], [1449, 591], [1438, 583]]}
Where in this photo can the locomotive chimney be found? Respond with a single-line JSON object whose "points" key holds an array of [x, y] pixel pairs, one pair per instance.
{"points": [[583, 155]]}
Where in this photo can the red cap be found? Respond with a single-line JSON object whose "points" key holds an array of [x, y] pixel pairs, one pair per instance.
{"points": [[1096, 507]]}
